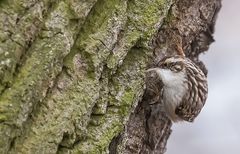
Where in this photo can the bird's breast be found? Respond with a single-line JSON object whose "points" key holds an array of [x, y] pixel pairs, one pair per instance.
{"points": [[172, 97]]}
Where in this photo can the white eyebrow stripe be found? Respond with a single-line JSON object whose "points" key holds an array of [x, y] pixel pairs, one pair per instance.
{"points": [[173, 59]]}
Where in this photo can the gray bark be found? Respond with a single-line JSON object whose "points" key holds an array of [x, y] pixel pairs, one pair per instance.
{"points": [[72, 73]]}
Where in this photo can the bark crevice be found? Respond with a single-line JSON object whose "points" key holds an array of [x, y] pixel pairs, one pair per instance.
{"points": [[73, 73]]}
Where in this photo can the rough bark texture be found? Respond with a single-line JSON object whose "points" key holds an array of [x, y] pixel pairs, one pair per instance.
{"points": [[72, 72]]}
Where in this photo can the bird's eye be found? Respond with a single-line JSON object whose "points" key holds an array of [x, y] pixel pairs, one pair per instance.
{"points": [[164, 65], [176, 68]]}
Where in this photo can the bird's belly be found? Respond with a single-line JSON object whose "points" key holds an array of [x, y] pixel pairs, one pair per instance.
{"points": [[172, 97]]}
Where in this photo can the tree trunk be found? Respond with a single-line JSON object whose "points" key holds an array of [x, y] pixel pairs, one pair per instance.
{"points": [[73, 72]]}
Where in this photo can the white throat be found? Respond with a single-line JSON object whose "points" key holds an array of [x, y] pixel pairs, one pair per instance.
{"points": [[175, 87]]}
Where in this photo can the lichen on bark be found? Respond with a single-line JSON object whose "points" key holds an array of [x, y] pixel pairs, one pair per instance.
{"points": [[73, 73]]}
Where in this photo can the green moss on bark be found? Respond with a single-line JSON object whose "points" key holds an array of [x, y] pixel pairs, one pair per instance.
{"points": [[20, 22], [38, 72], [81, 81], [144, 18]]}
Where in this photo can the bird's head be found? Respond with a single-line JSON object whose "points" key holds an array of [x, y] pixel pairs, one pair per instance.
{"points": [[171, 69]]}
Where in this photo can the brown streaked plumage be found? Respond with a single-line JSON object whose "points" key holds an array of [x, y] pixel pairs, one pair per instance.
{"points": [[185, 87]]}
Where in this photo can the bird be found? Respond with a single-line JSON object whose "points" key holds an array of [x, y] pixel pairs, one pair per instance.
{"points": [[185, 87]]}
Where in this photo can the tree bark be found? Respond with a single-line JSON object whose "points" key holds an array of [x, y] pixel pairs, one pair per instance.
{"points": [[72, 73]]}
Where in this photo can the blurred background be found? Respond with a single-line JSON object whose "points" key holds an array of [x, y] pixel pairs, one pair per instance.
{"points": [[217, 128]]}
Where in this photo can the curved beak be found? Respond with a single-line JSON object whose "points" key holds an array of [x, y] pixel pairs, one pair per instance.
{"points": [[151, 69]]}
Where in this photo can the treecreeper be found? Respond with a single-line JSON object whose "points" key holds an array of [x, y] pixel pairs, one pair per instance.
{"points": [[184, 90]]}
